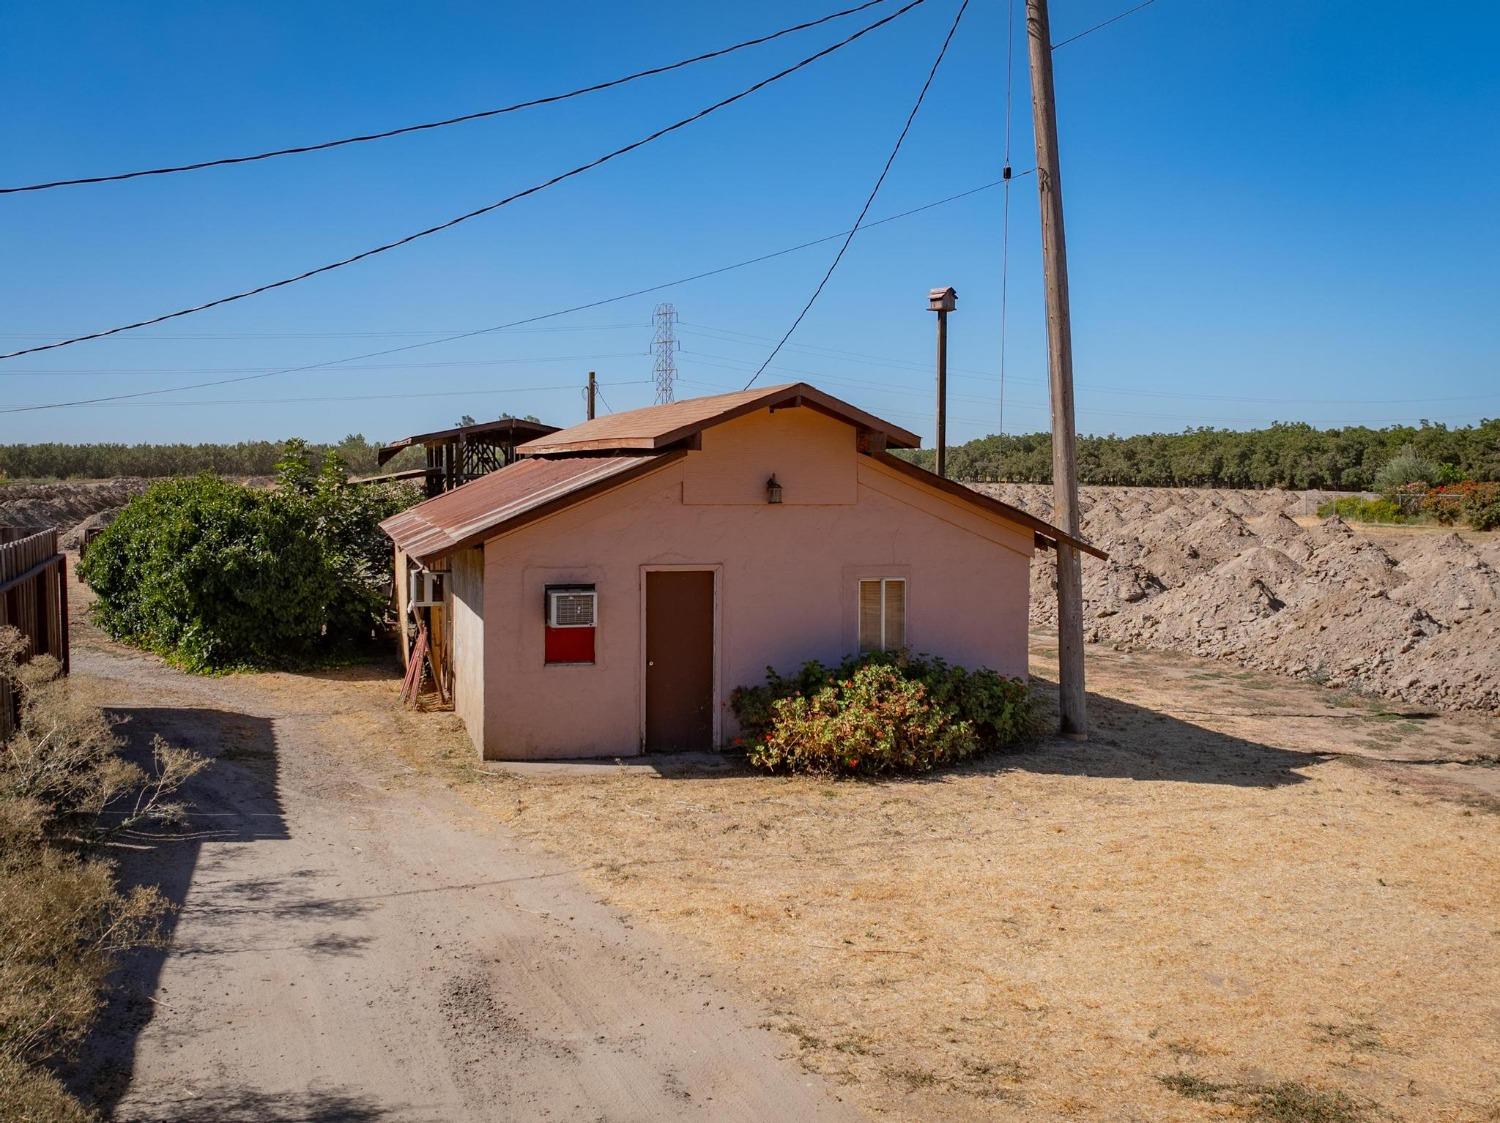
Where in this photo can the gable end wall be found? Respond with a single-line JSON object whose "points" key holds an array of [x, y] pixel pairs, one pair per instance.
{"points": [[788, 579]]}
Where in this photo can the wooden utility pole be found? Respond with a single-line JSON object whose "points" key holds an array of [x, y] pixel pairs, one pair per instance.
{"points": [[1071, 704], [593, 393], [942, 301]]}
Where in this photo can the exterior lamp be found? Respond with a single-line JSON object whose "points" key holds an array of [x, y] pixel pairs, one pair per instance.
{"points": [[773, 490]]}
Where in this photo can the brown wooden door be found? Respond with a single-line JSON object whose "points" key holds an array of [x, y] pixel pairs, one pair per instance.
{"points": [[679, 660]]}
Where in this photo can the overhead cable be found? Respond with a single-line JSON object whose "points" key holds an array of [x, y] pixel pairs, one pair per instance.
{"points": [[428, 231], [1100, 26], [870, 199], [551, 99], [507, 326]]}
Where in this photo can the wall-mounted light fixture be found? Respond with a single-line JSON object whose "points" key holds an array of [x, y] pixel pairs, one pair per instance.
{"points": [[773, 490]]}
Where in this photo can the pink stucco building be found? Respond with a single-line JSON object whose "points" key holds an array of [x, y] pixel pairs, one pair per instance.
{"points": [[608, 590]]}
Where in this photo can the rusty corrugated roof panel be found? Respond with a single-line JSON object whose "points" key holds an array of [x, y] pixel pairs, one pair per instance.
{"points": [[514, 429], [657, 427], [521, 491]]}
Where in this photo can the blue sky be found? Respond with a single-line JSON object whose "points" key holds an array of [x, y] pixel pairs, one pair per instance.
{"points": [[1274, 212]]}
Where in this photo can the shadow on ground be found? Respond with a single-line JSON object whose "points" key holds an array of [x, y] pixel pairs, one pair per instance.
{"points": [[1135, 743], [1127, 742], [235, 800], [249, 1106]]}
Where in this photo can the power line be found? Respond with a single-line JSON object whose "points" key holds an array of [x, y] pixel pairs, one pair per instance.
{"points": [[365, 397], [1044, 407], [198, 337], [86, 372], [587, 306], [580, 169], [459, 120], [1106, 23], [869, 201], [974, 374]]}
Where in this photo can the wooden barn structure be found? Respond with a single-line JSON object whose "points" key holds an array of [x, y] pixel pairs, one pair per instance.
{"points": [[465, 452], [454, 457]]}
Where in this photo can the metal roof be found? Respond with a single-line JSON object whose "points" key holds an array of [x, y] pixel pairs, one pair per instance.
{"points": [[1047, 535], [519, 492], [659, 427], [515, 429], [571, 465]]}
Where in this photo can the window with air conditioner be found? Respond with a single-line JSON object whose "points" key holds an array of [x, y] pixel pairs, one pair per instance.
{"points": [[882, 614], [572, 618]]}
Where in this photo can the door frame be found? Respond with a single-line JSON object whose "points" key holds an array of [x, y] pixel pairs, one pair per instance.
{"points": [[717, 569]]}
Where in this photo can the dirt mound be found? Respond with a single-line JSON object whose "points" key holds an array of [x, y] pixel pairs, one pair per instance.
{"points": [[1234, 575], [74, 538], [62, 505]]}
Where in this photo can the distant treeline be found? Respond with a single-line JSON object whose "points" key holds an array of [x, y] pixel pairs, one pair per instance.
{"points": [[1290, 455], [1285, 455], [247, 458]]}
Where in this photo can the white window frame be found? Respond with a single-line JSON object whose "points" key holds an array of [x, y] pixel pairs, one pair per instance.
{"points": [[905, 603], [425, 587], [553, 594]]}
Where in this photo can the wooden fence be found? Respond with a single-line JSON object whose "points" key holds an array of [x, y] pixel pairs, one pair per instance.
{"points": [[34, 601]]}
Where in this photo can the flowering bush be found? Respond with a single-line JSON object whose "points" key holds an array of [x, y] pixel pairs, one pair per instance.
{"points": [[879, 713], [1477, 504], [1471, 501]]}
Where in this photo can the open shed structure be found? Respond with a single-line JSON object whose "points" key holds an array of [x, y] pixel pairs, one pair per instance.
{"points": [[465, 452], [609, 589]]}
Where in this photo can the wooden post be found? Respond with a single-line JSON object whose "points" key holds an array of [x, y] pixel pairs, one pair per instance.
{"points": [[593, 392], [1071, 703], [942, 301], [942, 394]]}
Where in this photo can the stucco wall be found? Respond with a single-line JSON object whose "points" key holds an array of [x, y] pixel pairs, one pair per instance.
{"points": [[466, 586], [787, 582], [810, 454]]}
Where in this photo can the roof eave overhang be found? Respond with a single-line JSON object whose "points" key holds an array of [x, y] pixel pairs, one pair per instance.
{"points": [[796, 395], [427, 556], [1044, 533]]}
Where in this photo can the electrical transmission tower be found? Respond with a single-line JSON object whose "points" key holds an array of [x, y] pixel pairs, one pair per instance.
{"points": [[664, 344]]}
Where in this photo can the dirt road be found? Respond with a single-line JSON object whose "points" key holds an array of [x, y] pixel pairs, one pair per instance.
{"points": [[354, 943]]}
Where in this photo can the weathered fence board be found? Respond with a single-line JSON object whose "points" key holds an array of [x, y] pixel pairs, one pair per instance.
{"points": [[34, 601]]}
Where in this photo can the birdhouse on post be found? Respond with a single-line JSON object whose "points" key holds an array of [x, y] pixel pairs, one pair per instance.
{"points": [[942, 301]]}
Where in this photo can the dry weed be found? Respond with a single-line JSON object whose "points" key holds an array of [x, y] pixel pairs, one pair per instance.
{"points": [[1040, 935]]}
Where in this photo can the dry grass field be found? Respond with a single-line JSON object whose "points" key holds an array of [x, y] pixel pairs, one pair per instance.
{"points": [[1246, 897], [1230, 903]]}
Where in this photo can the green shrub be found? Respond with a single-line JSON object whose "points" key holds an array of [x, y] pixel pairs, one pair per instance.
{"points": [[215, 575], [1357, 509], [879, 713], [1408, 466]]}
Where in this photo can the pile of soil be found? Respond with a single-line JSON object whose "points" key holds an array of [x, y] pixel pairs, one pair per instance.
{"points": [[1235, 575], [65, 505]]}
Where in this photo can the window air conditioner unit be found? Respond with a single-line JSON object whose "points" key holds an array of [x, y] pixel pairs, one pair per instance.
{"points": [[426, 588], [570, 608]]}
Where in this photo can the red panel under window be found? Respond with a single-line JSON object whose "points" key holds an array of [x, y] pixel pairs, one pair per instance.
{"points": [[570, 645]]}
